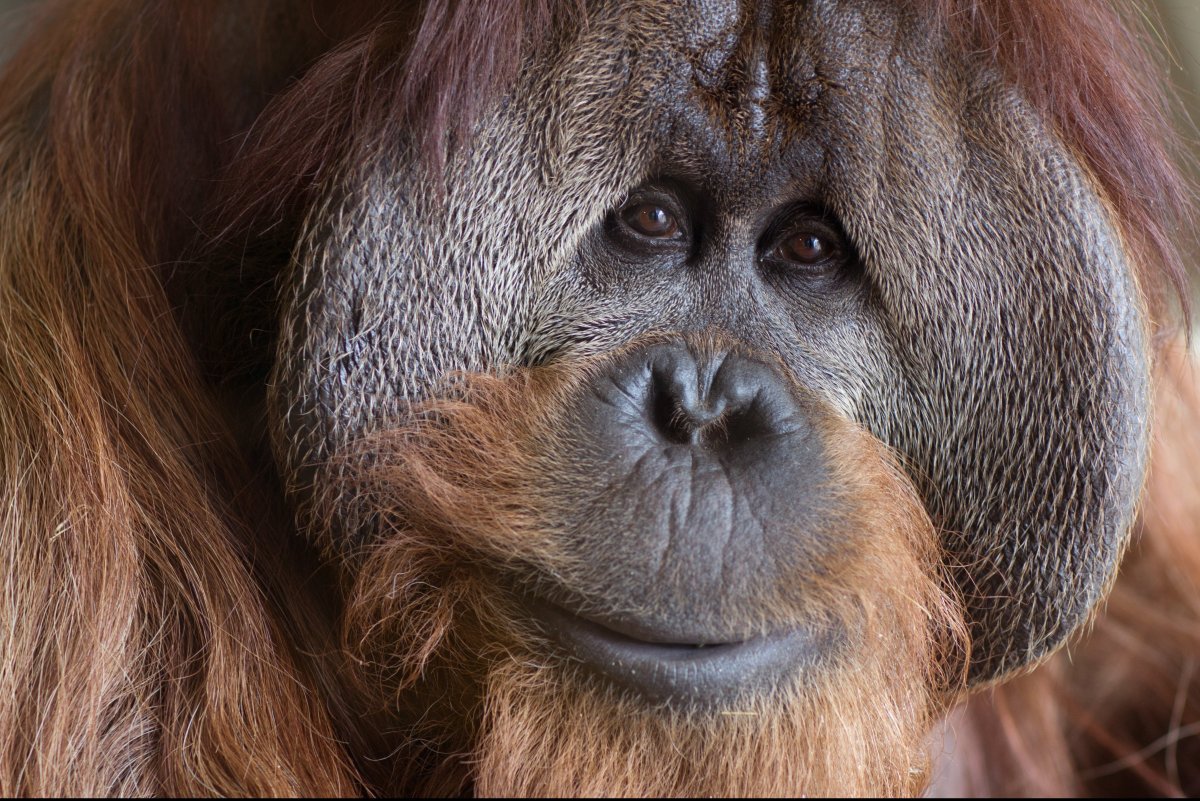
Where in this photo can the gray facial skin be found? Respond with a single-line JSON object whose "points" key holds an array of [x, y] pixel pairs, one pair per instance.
{"points": [[974, 310]]}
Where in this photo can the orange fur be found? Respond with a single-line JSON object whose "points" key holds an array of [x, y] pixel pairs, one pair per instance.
{"points": [[151, 641], [433, 615]]}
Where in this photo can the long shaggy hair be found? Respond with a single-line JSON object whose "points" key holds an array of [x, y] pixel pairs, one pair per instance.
{"points": [[157, 635]]}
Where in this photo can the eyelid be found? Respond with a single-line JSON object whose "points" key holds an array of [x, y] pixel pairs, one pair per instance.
{"points": [[655, 197], [796, 221]]}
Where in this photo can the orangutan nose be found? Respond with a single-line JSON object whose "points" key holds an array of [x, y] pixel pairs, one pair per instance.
{"points": [[717, 401], [709, 478]]}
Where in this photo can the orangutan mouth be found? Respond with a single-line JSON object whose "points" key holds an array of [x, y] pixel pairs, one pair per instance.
{"points": [[689, 675]]}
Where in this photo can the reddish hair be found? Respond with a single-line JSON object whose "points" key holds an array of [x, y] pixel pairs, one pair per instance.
{"points": [[1087, 66], [150, 619], [1089, 69], [152, 642]]}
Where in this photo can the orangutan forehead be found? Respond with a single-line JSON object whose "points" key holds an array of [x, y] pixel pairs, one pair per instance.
{"points": [[746, 48], [769, 59], [747, 100], [1082, 66], [758, 68]]}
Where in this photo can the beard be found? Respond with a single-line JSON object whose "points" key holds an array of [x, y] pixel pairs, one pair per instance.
{"points": [[484, 701]]}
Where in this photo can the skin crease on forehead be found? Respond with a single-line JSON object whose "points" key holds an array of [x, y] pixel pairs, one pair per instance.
{"points": [[989, 329], [306, 307]]}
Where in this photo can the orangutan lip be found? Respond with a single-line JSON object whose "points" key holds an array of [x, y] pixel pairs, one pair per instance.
{"points": [[709, 674]]}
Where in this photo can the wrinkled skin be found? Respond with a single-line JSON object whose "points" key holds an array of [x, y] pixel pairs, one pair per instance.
{"points": [[678, 398], [977, 314]]}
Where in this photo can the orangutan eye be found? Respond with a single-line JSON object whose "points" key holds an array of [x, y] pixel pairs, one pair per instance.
{"points": [[815, 248], [805, 249], [651, 220]]}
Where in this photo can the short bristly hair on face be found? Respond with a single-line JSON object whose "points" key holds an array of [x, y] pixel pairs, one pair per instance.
{"points": [[174, 178]]}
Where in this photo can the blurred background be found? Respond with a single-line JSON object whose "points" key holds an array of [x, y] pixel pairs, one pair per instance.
{"points": [[11, 17], [1179, 21]]}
